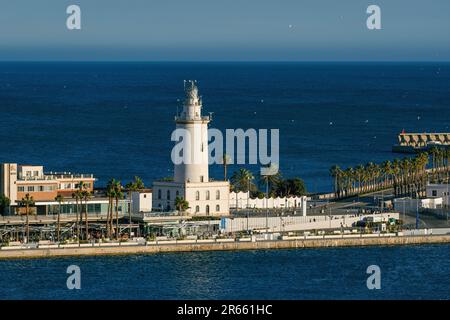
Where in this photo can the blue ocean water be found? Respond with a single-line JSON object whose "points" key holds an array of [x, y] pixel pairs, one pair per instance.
{"points": [[412, 272], [115, 119]]}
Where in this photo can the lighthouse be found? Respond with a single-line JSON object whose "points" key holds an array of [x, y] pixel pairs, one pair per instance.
{"points": [[191, 181], [194, 168]]}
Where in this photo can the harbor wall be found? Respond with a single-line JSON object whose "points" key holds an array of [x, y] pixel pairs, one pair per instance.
{"points": [[227, 244]]}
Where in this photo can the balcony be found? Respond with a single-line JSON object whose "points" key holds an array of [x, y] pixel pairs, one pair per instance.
{"points": [[55, 176], [68, 175], [202, 118]]}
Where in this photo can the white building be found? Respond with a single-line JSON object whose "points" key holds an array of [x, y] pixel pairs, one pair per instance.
{"points": [[141, 201], [241, 200], [191, 176], [297, 223], [440, 191], [409, 205]]}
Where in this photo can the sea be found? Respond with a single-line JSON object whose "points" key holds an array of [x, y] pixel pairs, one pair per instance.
{"points": [[408, 272], [115, 119]]}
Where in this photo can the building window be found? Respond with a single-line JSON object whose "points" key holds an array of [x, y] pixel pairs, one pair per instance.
{"points": [[207, 209], [201, 179], [197, 195], [197, 209], [36, 173], [217, 208], [207, 195], [218, 195], [41, 188], [434, 193], [168, 194], [30, 189], [21, 189], [145, 196], [159, 194], [177, 193]]}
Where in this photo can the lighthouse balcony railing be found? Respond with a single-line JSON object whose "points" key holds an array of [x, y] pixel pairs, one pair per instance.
{"points": [[187, 118]]}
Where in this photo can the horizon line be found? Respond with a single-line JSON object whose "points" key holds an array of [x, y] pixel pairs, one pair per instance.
{"points": [[227, 61]]}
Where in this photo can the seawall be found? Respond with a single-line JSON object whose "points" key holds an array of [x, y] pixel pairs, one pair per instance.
{"points": [[221, 246]]}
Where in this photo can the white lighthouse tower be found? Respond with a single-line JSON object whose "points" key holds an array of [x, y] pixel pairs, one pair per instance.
{"points": [[191, 177], [195, 169]]}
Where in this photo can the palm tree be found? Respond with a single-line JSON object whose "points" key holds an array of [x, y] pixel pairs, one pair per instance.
{"points": [[60, 199], [76, 196], [110, 195], [79, 198], [434, 164], [27, 202], [5, 202], [226, 161], [86, 196], [349, 175], [270, 179], [118, 194], [336, 173], [396, 172], [136, 185], [181, 204], [446, 157], [359, 173], [405, 166], [242, 180], [109, 216], [386, 168]]}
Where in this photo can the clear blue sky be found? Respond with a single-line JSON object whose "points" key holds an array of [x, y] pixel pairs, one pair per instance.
{"points": [[205, 30]]}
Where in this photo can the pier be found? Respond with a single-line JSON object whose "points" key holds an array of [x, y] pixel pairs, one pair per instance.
{"points": [[418, 142]]}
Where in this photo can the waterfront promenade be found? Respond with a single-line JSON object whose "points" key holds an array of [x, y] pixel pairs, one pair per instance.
{"points": [[286, 242]]}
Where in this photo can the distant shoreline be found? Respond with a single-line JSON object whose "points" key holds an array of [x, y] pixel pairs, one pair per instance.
{"points": [[191, 246]]}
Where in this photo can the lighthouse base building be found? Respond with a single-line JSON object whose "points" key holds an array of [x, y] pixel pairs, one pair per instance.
{"points": [[191, 178], [204, 198]]}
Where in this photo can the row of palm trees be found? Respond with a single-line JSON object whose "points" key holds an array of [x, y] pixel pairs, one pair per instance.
{"points": [[115, 192], [27, 202], [405, 175], [243, 181], [440, 163], [82, 195]]}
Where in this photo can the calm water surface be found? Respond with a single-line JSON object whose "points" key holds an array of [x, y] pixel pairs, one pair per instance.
{"points": [[410, 272]]}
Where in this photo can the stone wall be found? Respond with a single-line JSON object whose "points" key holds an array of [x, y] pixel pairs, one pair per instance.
{"points": [[220, 246]]}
